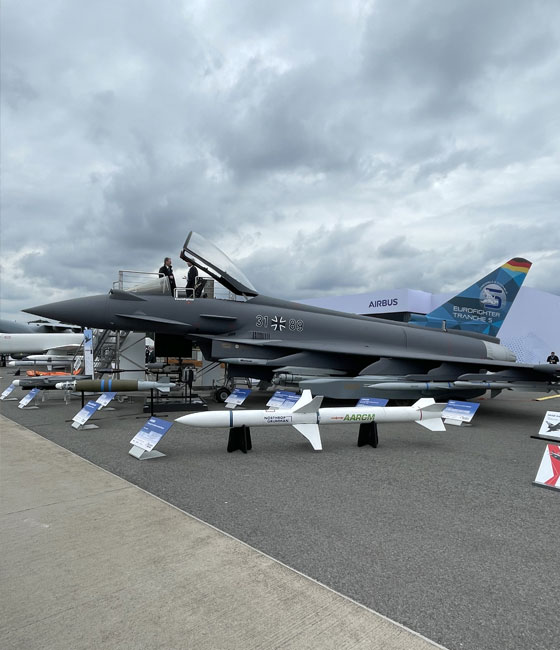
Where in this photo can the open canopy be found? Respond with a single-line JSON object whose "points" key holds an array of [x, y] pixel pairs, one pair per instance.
{"points": [[210, 259]]}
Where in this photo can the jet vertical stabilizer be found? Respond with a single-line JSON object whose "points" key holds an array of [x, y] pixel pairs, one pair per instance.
{"points": [[482, 307]]}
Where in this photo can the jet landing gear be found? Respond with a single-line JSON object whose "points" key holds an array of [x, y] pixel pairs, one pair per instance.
{"points": [[368, 435], [222, 393]]}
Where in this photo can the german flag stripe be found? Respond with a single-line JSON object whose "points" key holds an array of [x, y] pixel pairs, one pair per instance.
{"points": [[521, 266]]}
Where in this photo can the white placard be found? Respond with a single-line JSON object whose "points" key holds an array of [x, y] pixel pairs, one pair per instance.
{"points": [[84, 415], [457, 411], [105, 398], [549, 470], [550, 427], [88, 352], [30, 395], [8, 390], [151, 433]]}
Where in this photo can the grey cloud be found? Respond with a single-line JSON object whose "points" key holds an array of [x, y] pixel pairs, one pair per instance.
{"points": [[326, 149]]}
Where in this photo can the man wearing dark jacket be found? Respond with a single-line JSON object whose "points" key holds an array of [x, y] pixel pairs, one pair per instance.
{"points": [[191, 277], [167, 270]]}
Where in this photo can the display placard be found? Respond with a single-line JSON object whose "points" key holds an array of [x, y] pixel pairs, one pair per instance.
{"points": [[84, 415], [457, 412], [283, 399], [549, 470], [8, 391], [30, 395], [88, 352], [105, 398], [550, 427], [151, 433], [237, 397], [372, 401]]}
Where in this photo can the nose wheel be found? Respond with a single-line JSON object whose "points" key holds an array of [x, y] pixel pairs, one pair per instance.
{"points": [[222, 394]]}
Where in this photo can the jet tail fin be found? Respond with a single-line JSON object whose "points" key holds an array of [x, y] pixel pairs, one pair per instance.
{"points": [[482, 307]]}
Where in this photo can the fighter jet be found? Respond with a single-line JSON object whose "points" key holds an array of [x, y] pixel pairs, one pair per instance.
{"points": [[258, 336], [553, 426]]}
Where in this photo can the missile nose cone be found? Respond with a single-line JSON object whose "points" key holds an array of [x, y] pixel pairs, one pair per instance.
{"points": [[185, 419], [205, 419]]}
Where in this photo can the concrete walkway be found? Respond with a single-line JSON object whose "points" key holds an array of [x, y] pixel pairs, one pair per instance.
{"points": [[89, 560]]}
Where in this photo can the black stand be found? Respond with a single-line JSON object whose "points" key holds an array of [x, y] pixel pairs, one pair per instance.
{"points": [[546, 439], [368, 435], [239, 438]]}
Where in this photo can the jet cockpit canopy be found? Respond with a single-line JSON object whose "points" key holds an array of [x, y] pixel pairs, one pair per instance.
{"points": [[210, 259]]}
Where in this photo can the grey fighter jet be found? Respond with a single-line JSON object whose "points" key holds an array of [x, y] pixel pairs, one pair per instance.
{"points": [[355, 356]]}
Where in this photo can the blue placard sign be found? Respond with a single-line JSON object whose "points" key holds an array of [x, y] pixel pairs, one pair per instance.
{"points": [[238, 396], [151, 433], [105, 398], [84, 415], [30, 395], [8, 390], [372, 401], [462, 411], [283, 399]]}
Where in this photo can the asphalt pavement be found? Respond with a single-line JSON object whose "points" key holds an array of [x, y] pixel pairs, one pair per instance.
{"points": [[442, 532]]}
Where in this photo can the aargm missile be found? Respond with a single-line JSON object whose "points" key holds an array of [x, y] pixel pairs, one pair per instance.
{"points": [[117, 385], [306, 416]]}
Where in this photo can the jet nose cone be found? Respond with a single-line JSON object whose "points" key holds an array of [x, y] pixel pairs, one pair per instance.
{"points": [[88, 312]]}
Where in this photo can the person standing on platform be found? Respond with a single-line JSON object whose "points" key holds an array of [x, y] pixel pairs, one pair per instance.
{"points": [[191, 278], [167, 270], [552, 358]]}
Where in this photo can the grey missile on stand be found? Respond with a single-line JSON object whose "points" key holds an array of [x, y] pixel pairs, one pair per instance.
{"points": [[116, 385], [306, 416], [37, 363]]}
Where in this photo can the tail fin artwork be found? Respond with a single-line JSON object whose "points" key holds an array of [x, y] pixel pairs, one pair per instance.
{"points": [[482, 307]]}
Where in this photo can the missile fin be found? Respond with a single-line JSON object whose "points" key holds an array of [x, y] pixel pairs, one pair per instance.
{"points": [[434, 424], [307, 404], [311, 432], [423, 402]]}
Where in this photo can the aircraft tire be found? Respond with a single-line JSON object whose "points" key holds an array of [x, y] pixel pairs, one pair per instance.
{"points": [[222, 394]]}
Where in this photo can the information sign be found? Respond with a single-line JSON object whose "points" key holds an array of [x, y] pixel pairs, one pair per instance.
{"points": [[84, 415], [8, 391], [88, 352], [549, 470], [283, 399], [105, 398], [151, 433], [237, 397], [30, 395], [372, 401], [550, 427], [458, 412]]}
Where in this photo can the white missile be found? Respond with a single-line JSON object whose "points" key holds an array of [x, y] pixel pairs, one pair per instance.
{"points": [[307, 414]]}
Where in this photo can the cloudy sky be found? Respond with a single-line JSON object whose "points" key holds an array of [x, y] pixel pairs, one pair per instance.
{"points": [[328, 146]]}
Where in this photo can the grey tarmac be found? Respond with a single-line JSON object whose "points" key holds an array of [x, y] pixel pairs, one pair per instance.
{"points": [[442, 532]]}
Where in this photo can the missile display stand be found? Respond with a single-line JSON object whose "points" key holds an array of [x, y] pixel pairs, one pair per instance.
{"points": [[368, 434], [161, 403], [239, 438]]}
